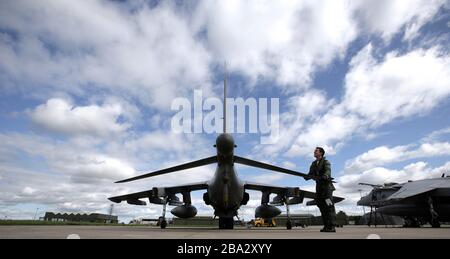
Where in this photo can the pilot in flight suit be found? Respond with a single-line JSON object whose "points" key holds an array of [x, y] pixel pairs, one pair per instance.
{"points": [[321, 168]]}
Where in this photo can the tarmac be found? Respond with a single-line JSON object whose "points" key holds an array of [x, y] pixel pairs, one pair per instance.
{"points": [[145, 232]]}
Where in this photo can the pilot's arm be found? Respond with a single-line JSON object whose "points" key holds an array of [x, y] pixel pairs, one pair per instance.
{"points": [[311, 172], [327, 172]]}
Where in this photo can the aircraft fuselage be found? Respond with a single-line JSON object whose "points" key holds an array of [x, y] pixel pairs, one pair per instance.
{"points": [[225, 190]]}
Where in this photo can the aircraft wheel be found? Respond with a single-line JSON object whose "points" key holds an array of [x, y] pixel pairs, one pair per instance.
{"points": [[163, 224], [435, 224], [411, 223], [226, 223], [288, 224]]}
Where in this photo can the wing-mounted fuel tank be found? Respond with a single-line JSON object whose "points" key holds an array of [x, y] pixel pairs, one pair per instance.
{"points": [[184, 211], [267, 211]]}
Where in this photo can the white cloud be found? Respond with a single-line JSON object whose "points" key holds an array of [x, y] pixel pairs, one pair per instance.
{"points": [[156, 54], [79, 163], [88, 168], [415, 171], [289, 165], [284, 41], [301, 111], [150, 54], [435, 135], [327, 131], [388, 17], [398, 86], [28, 190], [370, 167], [384, 155], [77, 175], [376, 93], [266, 178], [288, 41], [60, 116]]}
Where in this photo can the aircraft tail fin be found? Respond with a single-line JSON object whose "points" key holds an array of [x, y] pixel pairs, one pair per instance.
{"points": [[225, 99]]}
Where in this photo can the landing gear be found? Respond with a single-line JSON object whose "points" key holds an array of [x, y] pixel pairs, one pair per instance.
{"points": [[411, 222], [288, 224], [226, 223], [434, 217], [435, 223], [163, 222], [374, 213], [288, 214]]}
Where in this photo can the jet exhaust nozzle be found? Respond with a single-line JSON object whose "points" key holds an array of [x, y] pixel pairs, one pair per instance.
{"points": [[184, 211]]}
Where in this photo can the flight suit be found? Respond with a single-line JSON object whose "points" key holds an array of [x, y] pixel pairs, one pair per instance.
{"points": [[324, 192]]}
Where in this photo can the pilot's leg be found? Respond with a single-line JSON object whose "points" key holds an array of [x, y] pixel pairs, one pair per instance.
{"points": [[323, 212], [434, 217], [332, 216], [331, 211]]}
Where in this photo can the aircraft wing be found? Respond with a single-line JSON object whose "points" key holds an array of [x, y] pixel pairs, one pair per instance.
{"points": [[166, 191], [288, 191], [257, 164], [155, 195], [193, 164], [335, 200], [295, 192], [411, 189], [133, 198]]}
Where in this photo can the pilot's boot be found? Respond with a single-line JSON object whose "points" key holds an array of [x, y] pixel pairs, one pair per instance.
{"points": [[329, 219], [326, 224], [328, 229], [332, 218]]}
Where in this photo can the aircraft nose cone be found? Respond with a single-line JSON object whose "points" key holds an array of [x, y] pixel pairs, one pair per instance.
{"points": [[225, 144]]}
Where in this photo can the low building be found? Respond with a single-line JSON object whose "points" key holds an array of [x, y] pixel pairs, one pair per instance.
{"points": [[310, 220], [196, 221], [297, 219], [91, 218]]}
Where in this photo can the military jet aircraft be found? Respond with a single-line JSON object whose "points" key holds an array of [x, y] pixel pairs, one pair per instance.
{"points": [[415, 201], [377, 198], [225, 192]]}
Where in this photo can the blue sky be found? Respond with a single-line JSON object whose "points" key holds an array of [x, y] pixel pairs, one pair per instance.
{"points": [[86, 89]]}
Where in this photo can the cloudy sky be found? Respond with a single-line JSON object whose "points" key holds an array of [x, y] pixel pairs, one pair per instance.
{"points": [[86, 89]]}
